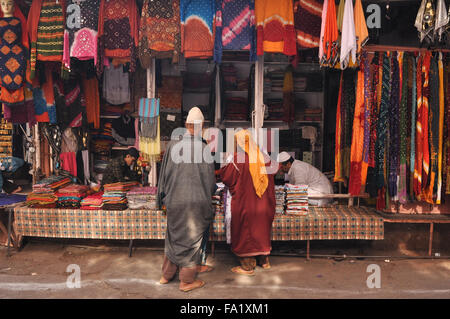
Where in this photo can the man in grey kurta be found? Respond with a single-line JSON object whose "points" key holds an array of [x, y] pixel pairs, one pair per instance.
{"points": [[186, 185]]}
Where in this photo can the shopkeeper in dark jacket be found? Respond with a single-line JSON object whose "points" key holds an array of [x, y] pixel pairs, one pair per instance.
{"points": [[119, 169]]}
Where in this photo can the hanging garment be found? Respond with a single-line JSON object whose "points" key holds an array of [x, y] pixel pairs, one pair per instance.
{"points": [[393, 153], [81, 29], [307, 21], [403, 119], [418, 161], [159, 31], [92, 98], [338, 175], [116, 88], [348, 37], [69, 162], [275, 27], [118, 33], [357, 145], [425, 20], [425, 118], [46, 29], [380, 144], [367, 119], [433, 119], [414, 100], [442, 19], [330, 37], [124, 127], [235, 27], [322, 28], [447, 131], [21, 113], [441, 129], [148, 115], [197, 28], [361, 32], [12, 61]]}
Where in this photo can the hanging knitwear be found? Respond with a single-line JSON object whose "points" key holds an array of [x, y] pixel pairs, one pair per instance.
{"points": [[338, 176], [80, 35], [402, 186], [354, 187], [383, 122], [394, 127], [235, 27], [118, 34], [433, 120], [307, 21], [275, 27], [197, 28], [50, 32], [21, 113], [159, 31]]}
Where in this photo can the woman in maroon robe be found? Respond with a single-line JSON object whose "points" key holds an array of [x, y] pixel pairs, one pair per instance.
{"points": [[251, 184]]}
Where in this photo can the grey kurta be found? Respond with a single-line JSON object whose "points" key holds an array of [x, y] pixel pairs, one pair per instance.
{"points": [[186, 189]]}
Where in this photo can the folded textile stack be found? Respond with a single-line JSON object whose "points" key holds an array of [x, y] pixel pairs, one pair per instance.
{"points": [[71, 196], [92, 202], [51, 184], [313, 114], [115, 195], [300, 84], [41, 200], [276, 109], [217, 199], [276, 80], [296, 199], [280, 197], [142, 198], [229, 73], [236, 109]]}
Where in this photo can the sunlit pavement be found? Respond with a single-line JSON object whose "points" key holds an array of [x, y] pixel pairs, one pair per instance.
{"points": [[40, 271]]}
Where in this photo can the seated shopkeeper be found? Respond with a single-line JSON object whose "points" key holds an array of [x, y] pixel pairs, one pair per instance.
{"points": [[119, 169], [12, 168], [301, 173]]}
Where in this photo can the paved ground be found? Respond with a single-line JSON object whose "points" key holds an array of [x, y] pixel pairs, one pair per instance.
{"points": [[39, 271]]}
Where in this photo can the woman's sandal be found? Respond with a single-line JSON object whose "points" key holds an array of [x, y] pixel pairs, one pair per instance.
{"points": [[196, 284], [164, 281], [239, 270]]}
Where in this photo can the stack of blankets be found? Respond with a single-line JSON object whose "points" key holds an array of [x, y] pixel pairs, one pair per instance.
{"points": [[229, 73], [43, 195], [115, 195], [280, 197], [313, 114], [92, 202], [71, 196], [276, 109], [217, 199], [276, 80], [296, 199], [142, 198], [300, 84]]}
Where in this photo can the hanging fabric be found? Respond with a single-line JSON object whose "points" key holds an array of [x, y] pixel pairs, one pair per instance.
{"points": [[330, 37], [402, 184], [348, 37], [307, 21]]}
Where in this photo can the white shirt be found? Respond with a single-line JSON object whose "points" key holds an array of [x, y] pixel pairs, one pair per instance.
{"points": [[302, 173]]}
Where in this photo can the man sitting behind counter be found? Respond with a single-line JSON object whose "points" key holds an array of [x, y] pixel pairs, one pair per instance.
{"points": [[119, 169], [301, 173]]}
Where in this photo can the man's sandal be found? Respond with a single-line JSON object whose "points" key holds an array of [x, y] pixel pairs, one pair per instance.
{"points": [[196, 284], [204, 268]]}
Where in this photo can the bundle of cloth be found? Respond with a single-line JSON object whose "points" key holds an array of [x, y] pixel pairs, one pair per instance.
{"points": [[51, 184], [92, 202], [280, 197], [41, 200], [229, 73], [276, 109], [217, 199], [236, 108], [71, 196], [115, 195], [142, 198], [296, 200]]}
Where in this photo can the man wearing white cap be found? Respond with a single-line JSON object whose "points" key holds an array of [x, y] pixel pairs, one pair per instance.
{"points": [[186, 185], [301, 173]]}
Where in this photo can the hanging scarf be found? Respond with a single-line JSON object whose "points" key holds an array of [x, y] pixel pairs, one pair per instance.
{"points": [[434, 130], [348, 115], [394, 127], [375, 66], [322, 29], [330, 37], [402, 188], [442, 19], [382, 122], [413, 124], [419, 132], [362, 35], [425, 118], [338, 176], [348, 38], [358, 137], [441, 127], [256, 161], [367, 119], [288, 96], [447, 131]]}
